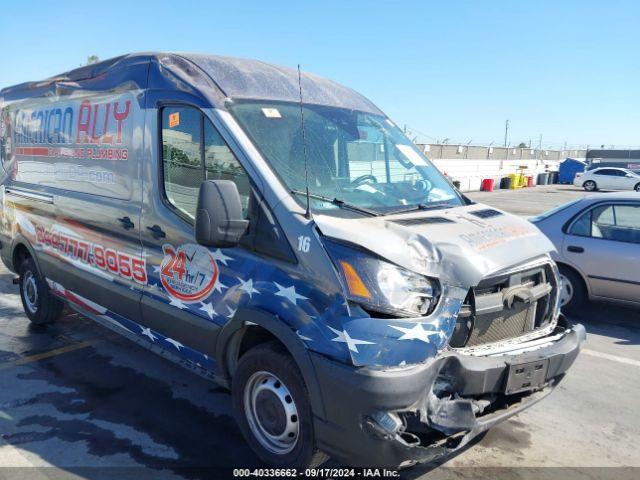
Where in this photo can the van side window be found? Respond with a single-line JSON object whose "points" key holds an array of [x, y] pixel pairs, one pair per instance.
{"points": [[182, 157], [194, 151]]}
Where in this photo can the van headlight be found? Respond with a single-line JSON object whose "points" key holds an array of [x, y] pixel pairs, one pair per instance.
{"points": [[381, 286]]}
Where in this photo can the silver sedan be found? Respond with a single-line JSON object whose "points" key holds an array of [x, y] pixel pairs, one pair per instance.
{"points": [[597, 239]]}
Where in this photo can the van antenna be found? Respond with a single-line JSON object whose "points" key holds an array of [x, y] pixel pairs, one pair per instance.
{"points": [[304, 149]]}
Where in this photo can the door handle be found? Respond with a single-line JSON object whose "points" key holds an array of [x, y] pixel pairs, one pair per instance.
{"points": [[157, 232], [126, 223], [574, 249]]}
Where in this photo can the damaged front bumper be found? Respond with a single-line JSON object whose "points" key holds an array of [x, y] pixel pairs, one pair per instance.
{"points": [[399, 417]]}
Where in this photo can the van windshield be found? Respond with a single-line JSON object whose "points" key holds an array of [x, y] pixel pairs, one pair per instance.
{"points": [[354, 158]]}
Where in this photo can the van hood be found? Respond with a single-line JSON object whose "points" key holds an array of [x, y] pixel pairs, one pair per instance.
{"points": [[459, 245]]}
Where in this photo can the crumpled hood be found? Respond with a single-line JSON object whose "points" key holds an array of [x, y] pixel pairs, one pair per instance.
{"points": [[459, 245]]}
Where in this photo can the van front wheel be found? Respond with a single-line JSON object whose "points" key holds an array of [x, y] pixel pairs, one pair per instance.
{"points": [[39, 304], [271, 405]]}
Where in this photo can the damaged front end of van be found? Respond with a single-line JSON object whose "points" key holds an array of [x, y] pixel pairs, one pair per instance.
{"points": [[488, 342]]}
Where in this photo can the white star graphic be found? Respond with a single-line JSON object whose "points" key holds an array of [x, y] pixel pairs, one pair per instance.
{"points": [[208, 309], [219, 256], [352, 343], [147, 333], [417, 333], [247, 286], [289, 293], [232, 312], [302, 337], [177, 303], [219, 286], [156, 268], [175, 343]]}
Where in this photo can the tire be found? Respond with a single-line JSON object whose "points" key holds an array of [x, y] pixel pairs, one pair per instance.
{"points": [[270, 398], [590, 186], [573, 294], [40, 306], [637, 187]]}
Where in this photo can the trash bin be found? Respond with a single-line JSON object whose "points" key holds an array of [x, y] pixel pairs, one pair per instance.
{"points": [[456, 183], [487, 184], [553, 178], [517, 180], [530, 181], [543, 178], [505, 183]]}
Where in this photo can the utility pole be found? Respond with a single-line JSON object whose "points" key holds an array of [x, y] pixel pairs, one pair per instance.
{"points": [[540, 142], [506, 132]]}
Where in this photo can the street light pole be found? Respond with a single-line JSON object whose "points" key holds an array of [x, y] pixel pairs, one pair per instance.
{"points": [[506, 132]]}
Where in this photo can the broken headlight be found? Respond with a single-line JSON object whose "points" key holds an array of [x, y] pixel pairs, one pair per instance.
{"points": [[381, 286]]}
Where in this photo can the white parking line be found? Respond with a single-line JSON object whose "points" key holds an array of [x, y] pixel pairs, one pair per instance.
{"points": [[614, 358]]}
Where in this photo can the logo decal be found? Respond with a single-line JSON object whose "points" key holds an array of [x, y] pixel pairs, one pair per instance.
{"points": [[189, 272]]}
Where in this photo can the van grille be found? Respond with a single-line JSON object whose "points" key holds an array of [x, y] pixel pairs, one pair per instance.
{"points": [[506, 306]]}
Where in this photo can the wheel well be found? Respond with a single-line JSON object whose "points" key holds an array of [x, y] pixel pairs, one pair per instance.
{"points": [[20, 253], [569, 267], [254, 335], [636, 186], [243, 341]]}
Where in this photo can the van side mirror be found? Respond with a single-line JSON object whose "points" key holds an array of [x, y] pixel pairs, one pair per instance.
{"points": [[219, 220]]}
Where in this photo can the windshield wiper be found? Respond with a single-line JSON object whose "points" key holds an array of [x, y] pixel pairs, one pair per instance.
{"points": [[422, 206], [338, 202]]}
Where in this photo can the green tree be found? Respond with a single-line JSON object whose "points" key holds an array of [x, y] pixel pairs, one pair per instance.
{"points": [[91, 59], [522, 145]]}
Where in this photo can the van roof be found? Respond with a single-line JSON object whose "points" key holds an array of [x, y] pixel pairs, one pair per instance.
{"points": [[216, 78]]}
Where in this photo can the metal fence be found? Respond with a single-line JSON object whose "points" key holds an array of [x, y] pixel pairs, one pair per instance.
{"points": [[477, 152]]}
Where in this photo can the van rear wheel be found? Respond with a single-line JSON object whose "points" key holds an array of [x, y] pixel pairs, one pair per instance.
{"points": [[271, 405], [39, 304]]}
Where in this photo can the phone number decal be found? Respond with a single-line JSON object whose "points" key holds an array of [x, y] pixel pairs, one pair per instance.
{"points": [[107, 259]]}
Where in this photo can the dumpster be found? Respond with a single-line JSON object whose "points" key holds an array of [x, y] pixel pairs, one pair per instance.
{"points": [[530, 181], [553, 178], [487, 184], [569, 168]]}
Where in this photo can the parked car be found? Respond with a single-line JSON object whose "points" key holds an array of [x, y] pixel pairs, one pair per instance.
{"points": [[597, 240], [608, 178], [297, 249]]}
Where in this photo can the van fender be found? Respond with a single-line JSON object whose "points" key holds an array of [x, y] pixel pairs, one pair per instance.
{"points": [[230, 337]]}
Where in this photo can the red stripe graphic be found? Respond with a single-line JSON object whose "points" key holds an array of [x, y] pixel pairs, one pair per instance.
{"points": [[33, 151]]}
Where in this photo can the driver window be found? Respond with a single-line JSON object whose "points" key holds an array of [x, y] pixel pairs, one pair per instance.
{"points": [[194, 151], [221, 164]]}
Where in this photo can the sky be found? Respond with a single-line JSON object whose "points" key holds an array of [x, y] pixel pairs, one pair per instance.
{"points": [[567, 70]]}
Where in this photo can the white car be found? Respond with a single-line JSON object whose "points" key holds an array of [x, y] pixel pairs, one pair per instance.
{"points": [[608, 178]]}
